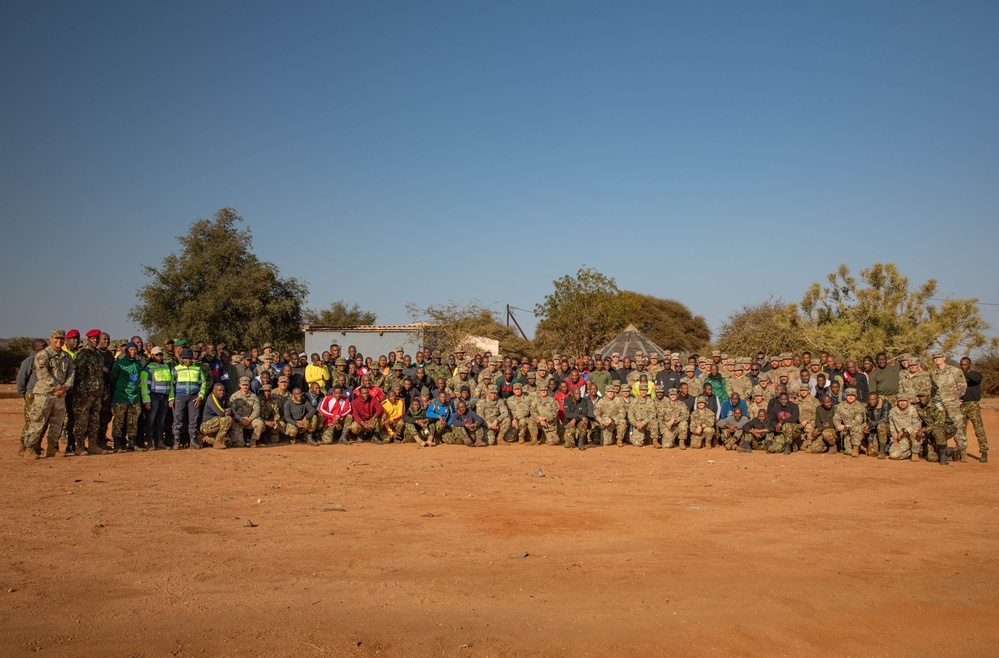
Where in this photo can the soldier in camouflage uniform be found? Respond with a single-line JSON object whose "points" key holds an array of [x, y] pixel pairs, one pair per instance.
{"points": [[460, 379], [270, 415], [693, 383], [739, 383], [938, 426], [904, 428], [611, 417], [126, 401], [88, 394], [394, 381], [914, 379], [437, 370], [545, 412], [850, 419], [823, 434], [55, 371], [217, 421], [496, 414], [543, 377], [785, 423], [877, 428], [643, 418], [531, 388], [702, 425], [807, 404], [524, 426], [417, 425], [673, 420], [245, 407], [971, 407], [951, 385]]}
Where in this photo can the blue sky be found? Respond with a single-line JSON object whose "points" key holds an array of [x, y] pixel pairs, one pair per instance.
{"points": [[716, 153]]}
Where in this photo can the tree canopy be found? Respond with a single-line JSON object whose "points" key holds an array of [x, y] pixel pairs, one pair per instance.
{"points": [[217, 289], [857, 316], [583, 313], [668, 323], [338, 314], [451, 325]]}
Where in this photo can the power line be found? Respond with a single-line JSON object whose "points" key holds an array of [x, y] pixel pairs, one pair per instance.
{"points": [[934, 299]]}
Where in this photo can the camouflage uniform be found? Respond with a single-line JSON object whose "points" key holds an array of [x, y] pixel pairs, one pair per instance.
{"points": [[938, 424], [524, 426], [951, 385], [673, 422], [911, 383], [702, 427], [547, 408], [972, 412], [905, 422], [272, 410], [495, 411], [741, 385], [412, 433], [245, 406], [218, 429], [613, 411], [806, 412], [854, 418], [644, 411], [54, 369], [88, 395]]}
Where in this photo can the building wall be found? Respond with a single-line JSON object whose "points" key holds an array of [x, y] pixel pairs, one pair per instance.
{"points": [[367, 343]]}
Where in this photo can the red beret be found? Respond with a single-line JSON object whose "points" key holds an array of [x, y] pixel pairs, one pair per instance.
{"points": [[93, 333], [73, 333]]}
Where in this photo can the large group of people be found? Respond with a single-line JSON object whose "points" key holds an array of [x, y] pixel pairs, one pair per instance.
{"points": [[191, 395]]}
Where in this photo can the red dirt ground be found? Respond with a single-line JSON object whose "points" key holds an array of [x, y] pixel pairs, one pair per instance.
{"points": [[399, 551]]}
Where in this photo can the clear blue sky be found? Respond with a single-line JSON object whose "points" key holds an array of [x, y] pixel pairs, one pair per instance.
{"points": [[716, 153]]}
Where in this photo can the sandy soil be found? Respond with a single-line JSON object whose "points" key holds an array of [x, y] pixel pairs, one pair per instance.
{"points": [[399, 551]]}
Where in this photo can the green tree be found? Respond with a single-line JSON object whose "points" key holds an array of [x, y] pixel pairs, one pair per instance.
{"points": [[668, 323], [216, 289], [583, 313], [880, 312], [338, 314], [772, 327]]}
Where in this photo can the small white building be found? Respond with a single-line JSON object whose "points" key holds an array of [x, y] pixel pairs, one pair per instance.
{"points": [[372, 340]]}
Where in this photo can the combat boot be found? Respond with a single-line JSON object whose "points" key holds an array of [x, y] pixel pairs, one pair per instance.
{"points": [[881, 452], [984, 459], [962, 455], [133, 443], [942, 453], [219, 442], [581, 443], [20, 451], [309, 440], [30, 454], [93, 448], [376, 441], [195, 442], [343, 441], [915, 455], [51, 449], [161, 445]]}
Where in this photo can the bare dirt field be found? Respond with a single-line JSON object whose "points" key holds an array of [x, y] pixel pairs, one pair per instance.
{"points": [[398, 551]]}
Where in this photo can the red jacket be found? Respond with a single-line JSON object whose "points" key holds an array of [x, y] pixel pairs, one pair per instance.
{"points": [[333, 409], [365, 411]]}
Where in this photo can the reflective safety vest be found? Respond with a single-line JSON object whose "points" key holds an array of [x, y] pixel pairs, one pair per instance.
{"points": [[188, 381], [156, 378]]}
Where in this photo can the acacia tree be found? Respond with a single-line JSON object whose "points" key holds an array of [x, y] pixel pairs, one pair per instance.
{"points": [[879, 312], [217, 289], [583, 313], [338, 314]]}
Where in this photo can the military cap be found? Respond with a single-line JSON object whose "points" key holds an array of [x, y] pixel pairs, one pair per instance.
{"points": [[518, 385], [268, 387], [724, 356], [180, 342], [715, 352], [397, 366], [738, 366], [58, 333], [689, 367], [850, 391], [398, 349], [235, 358], [340, 361], [923, 392], [247, 356], [616, 382], [903, 395], [459, 350], [283, 378], [196, 349], [674, 355], [267, 357], [266, 346], [492, 388], [187, 353], [613, 354], [915, 361], [785, 356], [244, 380], [756, 391], [156, 350], [73, 333], [673, 391], [939, 355], [643, 387], [543, 366], [638, 353], [654, 355], [436, 354], [532, 375], [426, 391], [700, 399]]}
